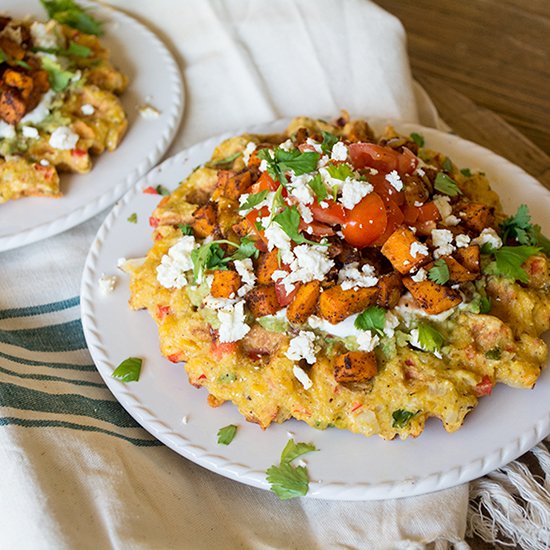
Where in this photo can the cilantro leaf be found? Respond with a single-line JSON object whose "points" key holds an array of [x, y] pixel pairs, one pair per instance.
{"points": [[288, 481], [485, 304], [247, 249], [318, 188], [329, 140], [429, 338], [23, 64], [418, 139], [58, 77], [289, 220], [70, 13], [207, 256], [447, 165], [541, 240], [253, 200], [518, 226], [161, 190], [466, 172], [78, 50], [402, 417], [132, 218], [185, 229], [439, 273], [280, 161], [509, 259], [340, 171], [444, 184], [129, 370], [223, 163], [227, 434], [373, 318], [293, 450]]}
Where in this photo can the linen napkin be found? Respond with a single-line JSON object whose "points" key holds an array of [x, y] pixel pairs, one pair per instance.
{"points": [[77, 471]]}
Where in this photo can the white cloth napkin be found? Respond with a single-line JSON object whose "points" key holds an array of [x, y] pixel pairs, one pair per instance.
{"points": [[77, 471]]}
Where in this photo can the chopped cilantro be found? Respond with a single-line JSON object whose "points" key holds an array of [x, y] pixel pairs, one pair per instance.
{"points": [[402, 417], [444, 184], [129, 370], [318, 187], [418, 139], [340, 171], [484, 304], [466, 172], [520, 228], [289, 220], [508, 261], [329, 140], [227, 434], [280, 161], [58, 77], [253, 200], [439, 273], [289, 481], [78, 50], [447, 165], [223, 163], [335, 192], [132, 218], [185, 229], [161, 190], [70, 13], [373, 318], [493, 354], [429, 338], [247, 249]]}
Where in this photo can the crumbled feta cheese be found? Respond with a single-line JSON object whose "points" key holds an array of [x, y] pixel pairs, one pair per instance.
{"points": [[418, 248], [218, 303], [302, 347], [63, 138], [339, 151], [301, 190], [314, 145], [392, 322], [41, 111], [232, 323], [7, 131], [442, 202], [302, 377], [276, 237], [462, 240], [488, 236], [419, 276], [46, 35], [87, 109], [245, 269], [30, 132], [263, 165], [442, 239], [44, 162], [107, 284], [353, 191], [248, 150], [418, 203], [419, 172], [148, 112], [323, 161], [350, 276], [367, 341], [395, 180], [324, 204], [305, 212], [174, 264], [286, 145]]}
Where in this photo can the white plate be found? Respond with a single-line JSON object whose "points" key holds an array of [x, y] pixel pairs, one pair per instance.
{"points": [[347, 466], [154, 75]]}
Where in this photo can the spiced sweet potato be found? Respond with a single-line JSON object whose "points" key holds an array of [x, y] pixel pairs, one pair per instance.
{"points": [[205, 220], [225, 283], [431, 297], [390, 289], [262, 300], [469, 257], [398, 250], [475, 217], [268, 263], [355, 366], [335, 304], [235, 185], [303, 303]]}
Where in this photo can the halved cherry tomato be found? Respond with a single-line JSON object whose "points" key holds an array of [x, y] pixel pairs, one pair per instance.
{"points": [[333, 214], [428, 213], [381, 158], [315, 228], [386, 190], [265, 183], [366, 222], [411, 214], [283, 297], [395, 219], [252, 218], [484, 387]]}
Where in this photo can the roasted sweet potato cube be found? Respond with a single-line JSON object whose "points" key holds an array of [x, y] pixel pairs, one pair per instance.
{"points": [[358, 130], [335, 304], [19, 80], [304, 303], [205, 220], [431, 297], [225, 283], [457, 272], [469, 257], [236, 185], [12, 105], [268, 263], [400, 251], [223, 178], [355, 366], [262, 300], [242, 228], [11, 48], [390, 289], [476, 217]]}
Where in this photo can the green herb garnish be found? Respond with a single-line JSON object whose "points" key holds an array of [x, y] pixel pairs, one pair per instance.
{"points": [[283, 161], [520, 228], [508, 261], [70, 13], [225, 162], [253, 200], [227, 434], [444, 184], [447, 165], [340, 171], [484, 304], [161, 190], [418, 139], [439, 273], [466, 172], [329, 141], [402, 417], [185, 229], [318, 187], [289, 220], [429, 338], [129, 370], [23, 64], [132, 218], [58, 77], [493, 354], [373, 318]]}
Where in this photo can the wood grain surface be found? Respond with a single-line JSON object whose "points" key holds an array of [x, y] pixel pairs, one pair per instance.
{"points": [[494, 52]]}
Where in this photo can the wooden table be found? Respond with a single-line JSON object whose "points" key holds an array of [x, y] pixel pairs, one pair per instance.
{"points": [[486, 65]]}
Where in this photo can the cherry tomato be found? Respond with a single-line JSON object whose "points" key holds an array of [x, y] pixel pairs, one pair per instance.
{"points": [[381, 158], [428, 213], [315, 228], [333, 214], [386, 190], [252, 218], [395, 219], [283, 297], [411, 214], [366, 222], [484, 387], [265, 183]]}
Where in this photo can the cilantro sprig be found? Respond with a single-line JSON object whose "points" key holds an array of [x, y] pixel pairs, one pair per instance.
{"points": [[447, 185], [402, 417], [280, 161], [318, 187], [418, 139], [508, 261], [225, 162], [185, 229], [70, 13], [289, 220], [439, 273], [340, 171], [253, 200], [373, 318], [74, 49], [520, 228], [227, 434], [58, 77], [429, 338], [329, 141], [288, 481], [129, 370]]}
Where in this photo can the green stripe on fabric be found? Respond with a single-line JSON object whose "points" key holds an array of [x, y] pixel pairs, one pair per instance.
{"points": [[39, 310], [6, 421], [48, 378], [18, 397], [31, 363], [62, 337]]}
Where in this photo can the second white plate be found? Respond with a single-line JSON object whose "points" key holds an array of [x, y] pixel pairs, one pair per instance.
{"points": [[155, 79], [347, 466]]}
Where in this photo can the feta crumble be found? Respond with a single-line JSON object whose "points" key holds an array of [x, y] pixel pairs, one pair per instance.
{"points": [[245, 269], [302, 377], [350, 276], [418, 248], [395, 180], [367, 341], [30, 132], [462, 240], [174, 264], [41, 111], [302, 347], [232, 323], [339, 151], [87, 109], [353, 191], [419, 276], [148, 112], [7, 131], [314, 145], [107, 283], [301, 190], [45, 35], [248, 150], [442, 239], [44, 162], [488, 236], [442, 203], [64, 139]]}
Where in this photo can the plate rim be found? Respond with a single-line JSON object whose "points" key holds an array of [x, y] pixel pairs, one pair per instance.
{"points": [[245, 474], [85, 212]]}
